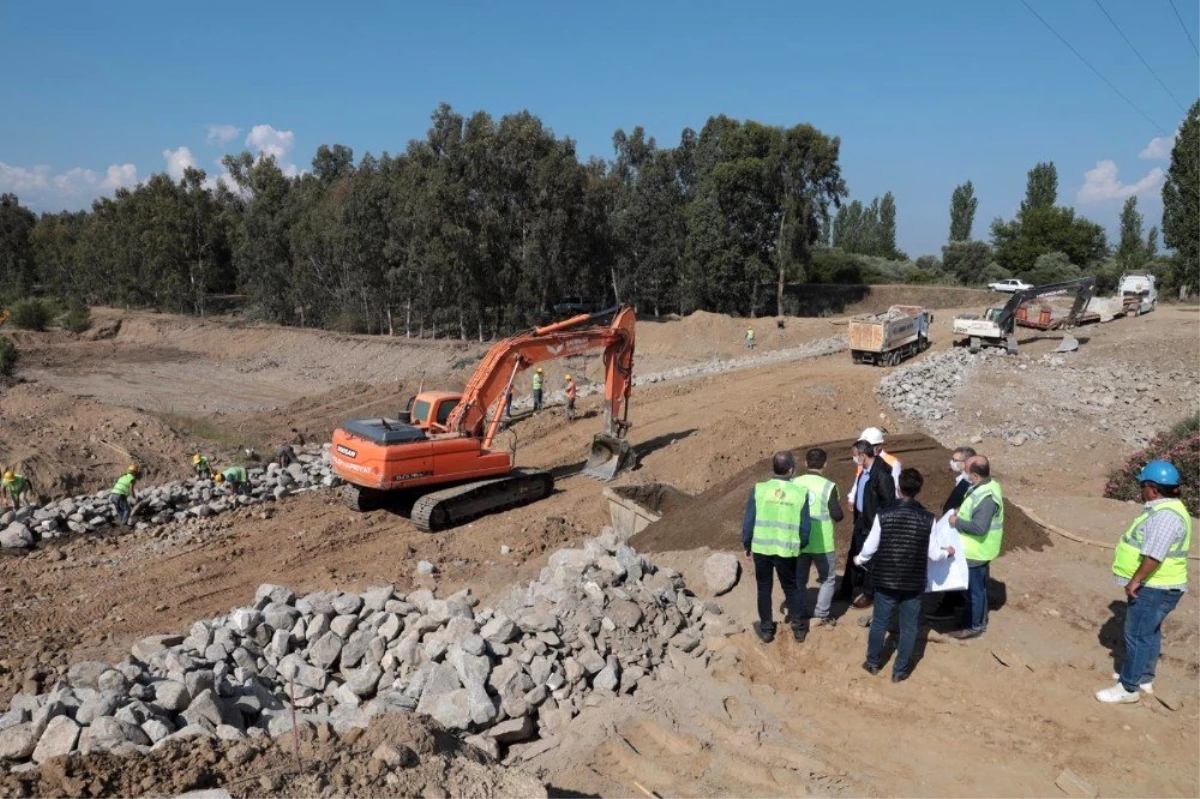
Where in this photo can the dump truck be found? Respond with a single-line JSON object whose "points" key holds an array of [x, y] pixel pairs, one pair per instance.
{"points": [[886, 339], [439, 453]]}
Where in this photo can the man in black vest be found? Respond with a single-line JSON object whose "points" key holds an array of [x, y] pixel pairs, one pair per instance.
{"points": [[899, 548]]}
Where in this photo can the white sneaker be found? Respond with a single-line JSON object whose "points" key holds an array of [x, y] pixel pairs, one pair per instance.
{"points": [[1146, 687], [1117, 695]]}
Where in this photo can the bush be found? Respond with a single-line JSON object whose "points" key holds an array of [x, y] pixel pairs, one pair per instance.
{"points": [[1052, 267], [9, 355], [1181, 447], [31, 314], [77, 320]]}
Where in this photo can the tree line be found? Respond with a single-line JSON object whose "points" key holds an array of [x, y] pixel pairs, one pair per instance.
{"points": [[488, 225]]}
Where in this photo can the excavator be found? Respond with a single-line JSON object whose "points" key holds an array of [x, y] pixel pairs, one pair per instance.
{"points": [[440, 451], [997, 326]]}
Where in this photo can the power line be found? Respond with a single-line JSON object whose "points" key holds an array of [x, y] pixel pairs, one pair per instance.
{"points": [[1139, 55], [1088, 64], [1184, 27]]}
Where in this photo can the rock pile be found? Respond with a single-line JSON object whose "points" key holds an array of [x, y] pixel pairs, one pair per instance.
{"points": [[926, 389], [596, 623], [162, 504]]}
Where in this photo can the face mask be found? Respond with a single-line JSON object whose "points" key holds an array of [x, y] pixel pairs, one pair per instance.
{"points": [[955, 466], [858, 460]]}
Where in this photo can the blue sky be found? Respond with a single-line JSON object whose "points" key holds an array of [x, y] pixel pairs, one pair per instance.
{"points": [[924, 95]]}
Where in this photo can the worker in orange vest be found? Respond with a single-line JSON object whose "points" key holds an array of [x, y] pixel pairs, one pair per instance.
{"points": [[572, 392], [874, 436]]}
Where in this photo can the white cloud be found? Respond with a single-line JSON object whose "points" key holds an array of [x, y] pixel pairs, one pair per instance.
{"points": [[269, 141], [41, 188], [222, 134], [1101, 184], [1159, 148], [178, 161]]}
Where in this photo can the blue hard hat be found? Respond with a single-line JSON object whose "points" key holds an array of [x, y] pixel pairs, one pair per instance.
{"points": [[1159, 472]]}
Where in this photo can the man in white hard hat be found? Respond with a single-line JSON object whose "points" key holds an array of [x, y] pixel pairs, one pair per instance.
{"points": [[874, 436]]}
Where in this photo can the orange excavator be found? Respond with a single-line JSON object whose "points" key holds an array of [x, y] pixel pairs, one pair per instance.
{"points": [[441, 452]]}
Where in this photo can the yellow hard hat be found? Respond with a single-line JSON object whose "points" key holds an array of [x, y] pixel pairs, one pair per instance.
{"points": [[9, 475], [220, 478], [196, 458], [568, 377], [133, 468], [539, 368]]}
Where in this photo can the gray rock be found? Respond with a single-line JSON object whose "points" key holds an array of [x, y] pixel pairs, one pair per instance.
{"points": [[356, 647], [113, 680], [624, 614], [572, 560], [514, 730], [590, 660], [86, 673], [16, 536], [390, 701], [211, 708], [59, 739], [156, 729], [106, 734], [424, 568], [344, 718], [721, 572], [452, 710], [146, 648], [377, 598], [280, 616], [325, 650], [499, 630], [294, 668], [18, 742], [102, 705], [608, 678], [471, 669], [395, 755], [345, 604], [344, 625], [442, 679], [196, 682], [364, 681]]}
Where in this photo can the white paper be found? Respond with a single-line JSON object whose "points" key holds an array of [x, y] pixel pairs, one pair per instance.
{"points": [[949, 574]]}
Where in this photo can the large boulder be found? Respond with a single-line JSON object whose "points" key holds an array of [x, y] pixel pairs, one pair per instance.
{"points": [[721, 572]]}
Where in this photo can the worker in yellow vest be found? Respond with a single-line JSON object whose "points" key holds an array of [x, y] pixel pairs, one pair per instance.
{"points": [[775, 529], [980, 522], [749, 338], [824, 509], [16, 489], [572, 393], [538, 377], [1151, 562], [123, 493]]}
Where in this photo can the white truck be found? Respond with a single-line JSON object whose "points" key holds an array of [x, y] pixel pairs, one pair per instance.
{"points": [[1138, 292], [890, 337]]}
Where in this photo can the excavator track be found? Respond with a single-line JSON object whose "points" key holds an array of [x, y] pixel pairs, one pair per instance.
{"points": [[453, 506]]}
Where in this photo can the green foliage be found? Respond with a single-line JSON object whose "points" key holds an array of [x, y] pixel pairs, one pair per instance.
{"points": [[993, 273], [77, 320], [1180, 446], [32, 313], [9, 355], [868, 230], [17, 263], [1046, 229], [1053, 267], [1041, 188], [832, 265], [963, 204], [1181, 203], [924, 277], [967, 261]]}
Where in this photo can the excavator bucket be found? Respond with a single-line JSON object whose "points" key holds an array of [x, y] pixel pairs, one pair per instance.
{"points": [[609, 457], [1068, 344]]}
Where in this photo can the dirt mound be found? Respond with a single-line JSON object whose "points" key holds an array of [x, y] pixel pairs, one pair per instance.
{"points": [[402, 755], [714, 518]]}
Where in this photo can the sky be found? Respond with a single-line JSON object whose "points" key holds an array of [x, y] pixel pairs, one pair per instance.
{"points": [[923, 95]]}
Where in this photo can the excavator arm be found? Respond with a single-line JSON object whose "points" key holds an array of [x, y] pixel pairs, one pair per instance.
{"points": [[611, 330], [1083, 289]]}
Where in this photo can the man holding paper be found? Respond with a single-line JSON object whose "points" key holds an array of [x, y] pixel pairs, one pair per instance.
{"points": [[899, 547]]}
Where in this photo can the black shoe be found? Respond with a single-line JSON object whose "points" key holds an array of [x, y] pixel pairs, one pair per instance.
{"points": [[801, 633], [764, 635], [900, 676], [871, 669], [940, 614]]}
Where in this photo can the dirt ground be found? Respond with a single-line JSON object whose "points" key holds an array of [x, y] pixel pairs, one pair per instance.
{"points": [[998, 716]]}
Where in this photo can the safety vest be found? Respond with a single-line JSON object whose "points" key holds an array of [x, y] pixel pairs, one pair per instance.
{"points": [[202, 466], [571, 390], [778, 506], [124, 485], [986, 546], [750, 335], [820, 533], [16, 485], [235, 474], [1173, 570], [537, 381]]}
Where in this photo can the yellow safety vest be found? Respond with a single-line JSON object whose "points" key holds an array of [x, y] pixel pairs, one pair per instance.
{"points": [[778, 508], [986, 546], [1173, 570], [820, 533]]}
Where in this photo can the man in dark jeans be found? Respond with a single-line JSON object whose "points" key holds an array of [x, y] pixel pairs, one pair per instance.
{"points": [[873, 492], [774, 530], [899, 548], [950, 605]]}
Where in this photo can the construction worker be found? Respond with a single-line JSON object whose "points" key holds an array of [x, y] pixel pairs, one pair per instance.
{"points": [[15, 486], [237, 479], [774, 531], [824, 510], [572, 392], [123, 493], [749, 338], [285, 455], [980, 522], [202, 466], [874, 437], [538, 376], [1151, 563]]}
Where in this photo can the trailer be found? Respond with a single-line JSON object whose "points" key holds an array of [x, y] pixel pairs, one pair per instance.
{"points": [[886, 339]]}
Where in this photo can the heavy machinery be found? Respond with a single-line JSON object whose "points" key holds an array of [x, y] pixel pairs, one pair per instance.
{"points": [[996, 326], [440, 452], [1138, 292], [890, 337]]}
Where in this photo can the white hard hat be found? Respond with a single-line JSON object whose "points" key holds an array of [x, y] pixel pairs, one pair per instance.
{"points": [[872, 435]]}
